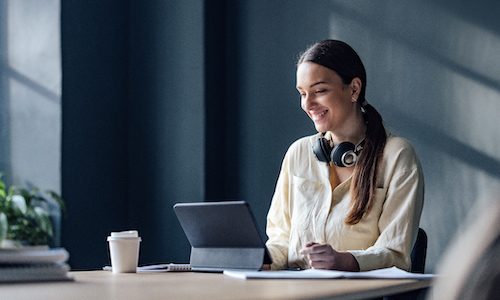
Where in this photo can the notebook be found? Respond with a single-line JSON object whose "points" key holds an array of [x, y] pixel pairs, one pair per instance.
{"points": [[223, 236]]}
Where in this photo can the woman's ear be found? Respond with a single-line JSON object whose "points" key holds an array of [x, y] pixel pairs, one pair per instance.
{"points": [[356, 85]]}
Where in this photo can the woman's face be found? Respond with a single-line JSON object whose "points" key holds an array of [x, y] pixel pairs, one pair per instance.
{"points": [[325, 98]]}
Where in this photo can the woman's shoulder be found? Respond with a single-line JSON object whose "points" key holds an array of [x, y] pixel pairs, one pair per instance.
{"points": [[301, 148], [399, 149], [305, 142], [396, 142]]}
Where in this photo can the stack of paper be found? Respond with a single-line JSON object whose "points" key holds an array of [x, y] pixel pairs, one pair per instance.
{"points": [[388, 273], [26, 264]]}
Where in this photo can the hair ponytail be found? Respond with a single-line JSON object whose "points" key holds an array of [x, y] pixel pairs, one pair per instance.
{"points": [[364, 182]]}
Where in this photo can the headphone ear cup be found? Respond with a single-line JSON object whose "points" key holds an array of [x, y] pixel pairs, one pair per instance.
{"points": [[322, 150], [343, 155]]}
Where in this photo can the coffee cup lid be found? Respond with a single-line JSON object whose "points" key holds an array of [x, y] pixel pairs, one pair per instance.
{"points": [[125, 234], [130, 235]]}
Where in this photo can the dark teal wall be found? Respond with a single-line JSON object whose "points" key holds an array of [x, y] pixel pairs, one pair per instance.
{"points": [[166, 122], [95, 134], [170, 101], [133, 133]]}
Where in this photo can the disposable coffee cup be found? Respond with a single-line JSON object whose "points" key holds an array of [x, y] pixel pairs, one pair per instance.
{"points": [[124, 251]]}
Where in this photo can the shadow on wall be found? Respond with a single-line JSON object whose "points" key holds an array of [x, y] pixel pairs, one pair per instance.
{"points": [[443, 142], [31, 84], [445, 40]]}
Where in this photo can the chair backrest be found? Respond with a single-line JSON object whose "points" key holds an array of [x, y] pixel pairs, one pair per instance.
{"points": [[419, 253]]}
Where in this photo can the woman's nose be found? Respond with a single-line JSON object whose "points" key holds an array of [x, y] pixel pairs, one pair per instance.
{"points": [[307, 102]]}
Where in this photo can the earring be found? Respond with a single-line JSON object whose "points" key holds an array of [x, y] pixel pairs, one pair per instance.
{"points": [[354, 99]]}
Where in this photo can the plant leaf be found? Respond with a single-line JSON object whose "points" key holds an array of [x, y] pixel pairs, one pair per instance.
{"points": [[3, 193], [17, 190], [58, 199], [42, 219], [3, 226], [19, 202]]}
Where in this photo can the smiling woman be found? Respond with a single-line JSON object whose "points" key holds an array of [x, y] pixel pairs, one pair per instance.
{"points": [[360, 210]]}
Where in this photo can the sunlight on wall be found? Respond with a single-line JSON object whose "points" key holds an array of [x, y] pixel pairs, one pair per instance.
{"points": [[33, 70], [434, 77]]}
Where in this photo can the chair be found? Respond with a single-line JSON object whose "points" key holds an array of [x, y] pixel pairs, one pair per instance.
{"points": [[419, 253]]}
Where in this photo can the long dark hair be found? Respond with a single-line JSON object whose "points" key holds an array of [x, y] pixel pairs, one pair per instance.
{"points": [[341, 58]]}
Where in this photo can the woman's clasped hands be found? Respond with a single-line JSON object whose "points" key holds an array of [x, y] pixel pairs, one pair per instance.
{"points": [[323, 256]]}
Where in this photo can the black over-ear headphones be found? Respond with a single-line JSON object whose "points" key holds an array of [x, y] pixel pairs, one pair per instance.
{"points": [[344, 154]]}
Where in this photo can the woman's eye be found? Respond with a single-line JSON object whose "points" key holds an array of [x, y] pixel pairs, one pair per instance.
{"points": [[320, 91]]}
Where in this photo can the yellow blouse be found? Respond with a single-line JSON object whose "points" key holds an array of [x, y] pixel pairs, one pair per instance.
{"points": [[305, 209]]}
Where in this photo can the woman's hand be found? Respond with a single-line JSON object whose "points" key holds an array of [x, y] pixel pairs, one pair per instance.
{"points": [[323, 256]]}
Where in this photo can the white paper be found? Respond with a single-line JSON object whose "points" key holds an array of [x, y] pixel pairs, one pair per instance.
{"points": [[387, 273], [284, 274]]}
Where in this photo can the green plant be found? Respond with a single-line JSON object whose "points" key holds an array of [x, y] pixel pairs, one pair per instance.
{"points": [[24, 216]]}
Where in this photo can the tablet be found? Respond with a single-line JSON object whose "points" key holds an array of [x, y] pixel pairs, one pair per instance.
{"points": [[223, 235]]}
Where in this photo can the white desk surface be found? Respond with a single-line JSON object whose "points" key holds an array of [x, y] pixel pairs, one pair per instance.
{"points": [[192, 285]]}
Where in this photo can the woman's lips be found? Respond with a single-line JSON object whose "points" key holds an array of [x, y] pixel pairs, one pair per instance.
{"points": [[316, 116]]}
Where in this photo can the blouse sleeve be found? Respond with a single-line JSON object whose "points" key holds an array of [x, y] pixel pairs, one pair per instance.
{"points": [[278, 219]]}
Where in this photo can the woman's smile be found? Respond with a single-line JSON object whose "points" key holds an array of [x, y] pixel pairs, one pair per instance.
{"points": [[317, 116]]}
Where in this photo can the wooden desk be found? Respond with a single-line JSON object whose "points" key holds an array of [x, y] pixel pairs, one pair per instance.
{"points": [[189, 285]]}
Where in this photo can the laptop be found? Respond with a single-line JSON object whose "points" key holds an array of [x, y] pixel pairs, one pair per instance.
{"points": [[223, 236]]}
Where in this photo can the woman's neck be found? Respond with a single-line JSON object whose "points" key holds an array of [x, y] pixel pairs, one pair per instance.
{"points": [[353, 132]]}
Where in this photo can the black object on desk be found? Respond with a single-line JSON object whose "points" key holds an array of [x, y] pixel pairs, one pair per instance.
{"points": [[223, 235]]}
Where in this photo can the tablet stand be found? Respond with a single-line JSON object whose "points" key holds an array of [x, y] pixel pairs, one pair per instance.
{"points": [[220, 259]]}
